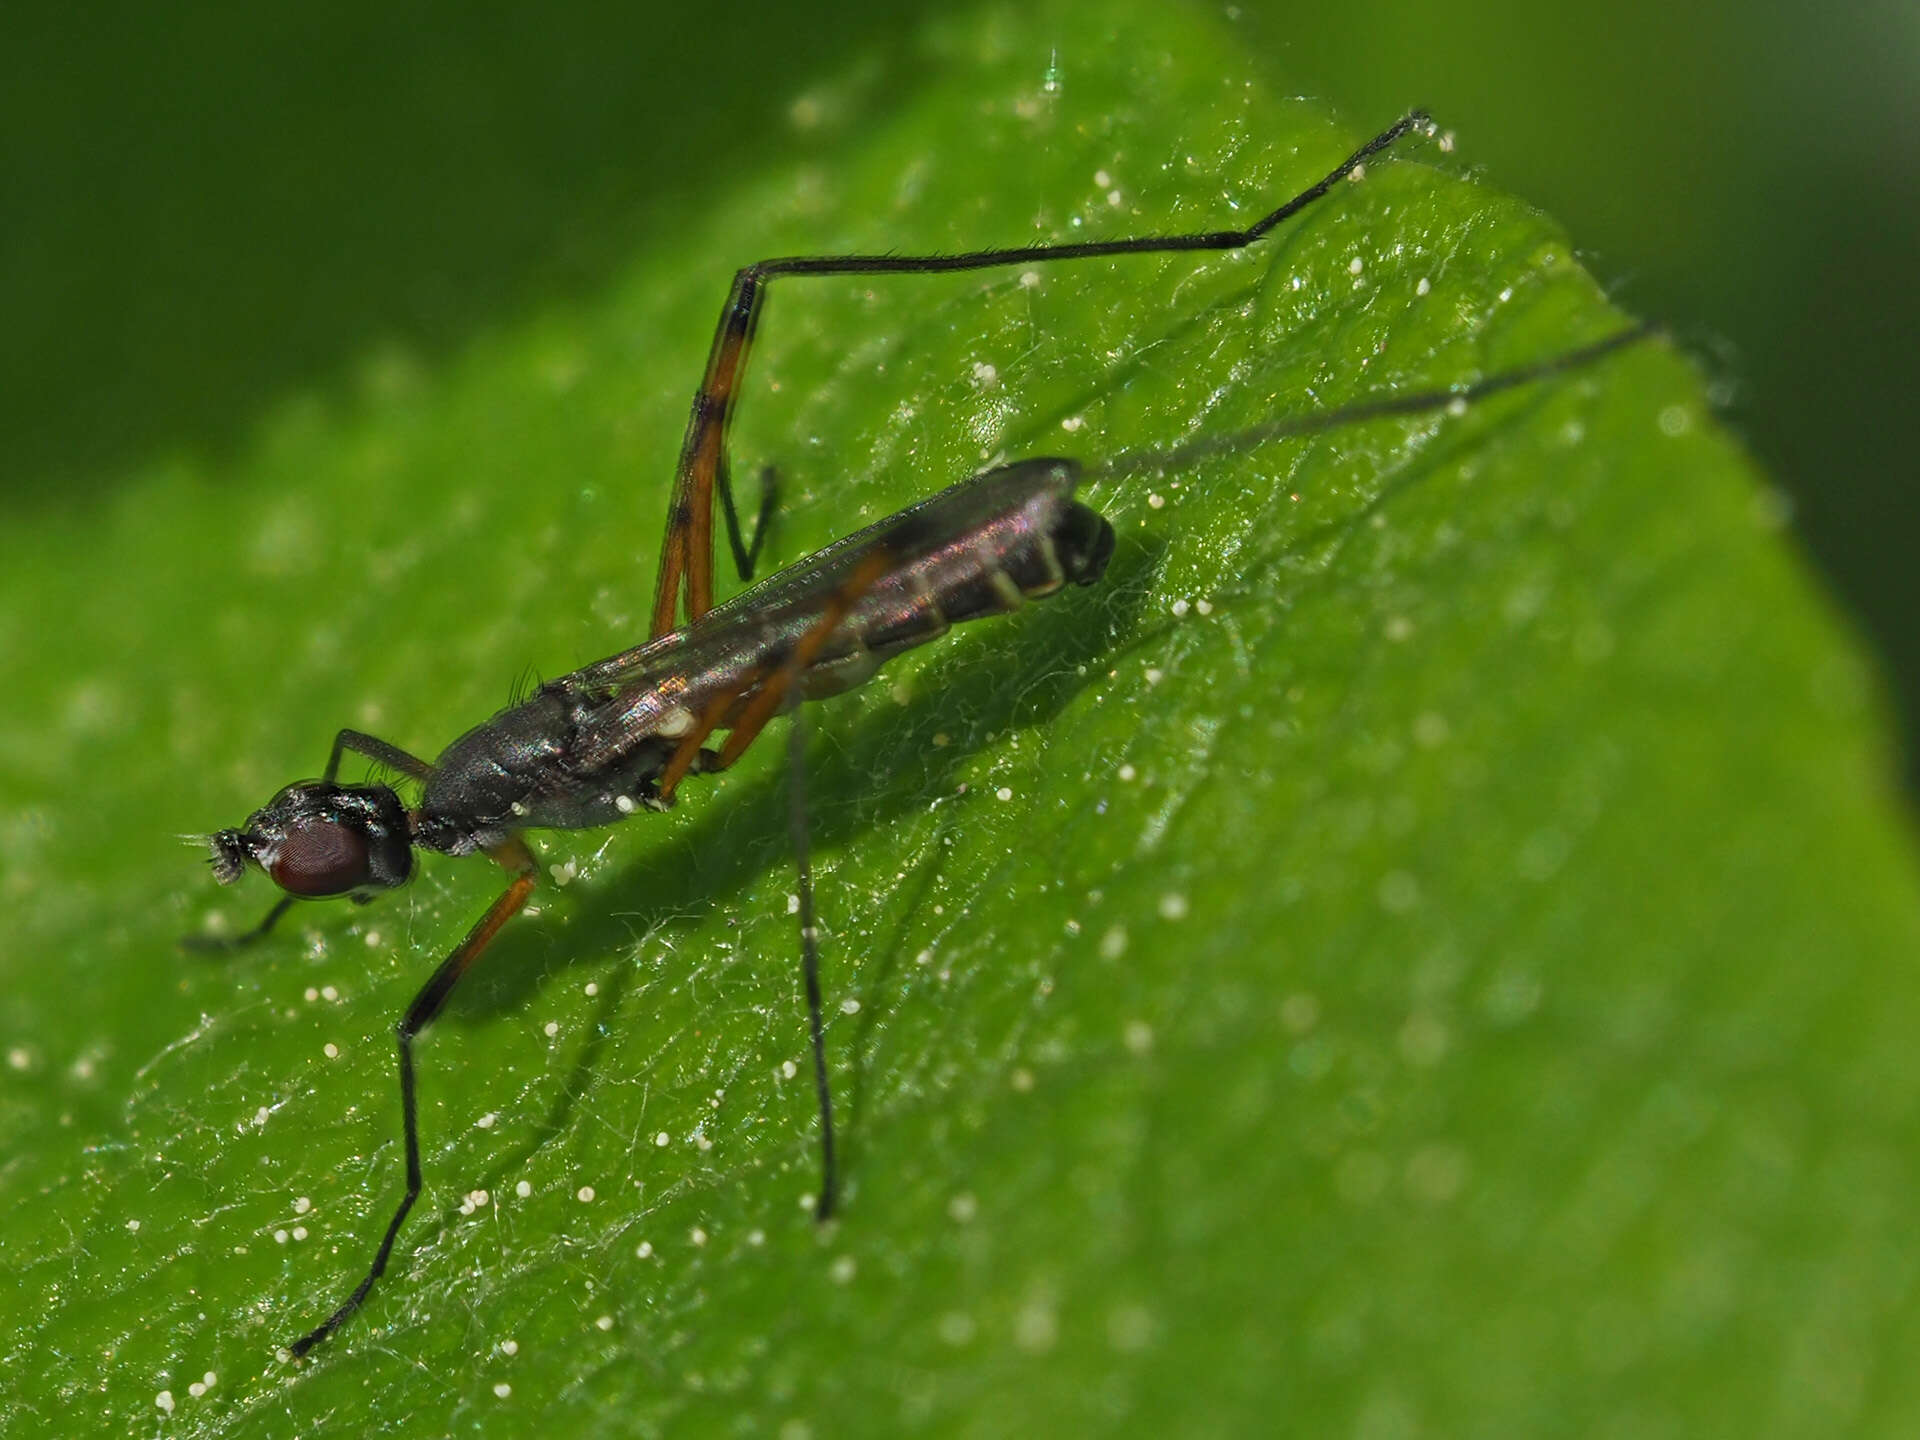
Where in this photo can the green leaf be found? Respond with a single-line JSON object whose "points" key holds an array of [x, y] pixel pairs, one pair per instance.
{"points": [[1425, 946]]}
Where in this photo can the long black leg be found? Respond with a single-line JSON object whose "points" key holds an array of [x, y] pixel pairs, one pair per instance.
{"points": [[772, 694], [1416, 403], [746, 554], [377, 750], [420, 1014], [213, 944], [686, 555], [810, 959]]}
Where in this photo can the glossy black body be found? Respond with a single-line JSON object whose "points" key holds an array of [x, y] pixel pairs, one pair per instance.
{"points": [[587, 748]]}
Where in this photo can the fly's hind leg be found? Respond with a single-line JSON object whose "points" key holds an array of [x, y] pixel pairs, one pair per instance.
{"points": [[685, 576]]}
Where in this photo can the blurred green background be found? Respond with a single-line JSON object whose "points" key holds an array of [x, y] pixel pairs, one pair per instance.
{"points": [[203, 208]]}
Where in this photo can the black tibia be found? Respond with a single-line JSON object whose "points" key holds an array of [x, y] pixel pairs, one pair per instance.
{"points": [[420, 1014]]}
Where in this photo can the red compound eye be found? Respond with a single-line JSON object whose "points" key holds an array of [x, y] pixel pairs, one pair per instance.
{"points": [[320, 858]]}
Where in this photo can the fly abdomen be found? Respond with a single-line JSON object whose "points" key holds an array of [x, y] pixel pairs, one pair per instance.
{"points": [[983, 547], [1083, 542]]}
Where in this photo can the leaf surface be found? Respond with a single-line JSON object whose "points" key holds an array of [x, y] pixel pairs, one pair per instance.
{"points": [[1427, 944]]}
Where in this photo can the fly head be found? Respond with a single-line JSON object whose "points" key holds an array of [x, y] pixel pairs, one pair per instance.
{"points": [[316, 840]]}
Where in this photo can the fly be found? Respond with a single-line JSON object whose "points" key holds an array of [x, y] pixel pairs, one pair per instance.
{"points": [[621, 735]]}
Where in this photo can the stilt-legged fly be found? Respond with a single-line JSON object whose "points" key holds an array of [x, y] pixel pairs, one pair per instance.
{"points": [[620, 735]]}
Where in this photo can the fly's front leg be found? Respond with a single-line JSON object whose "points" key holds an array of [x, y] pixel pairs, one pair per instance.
{"points": [[220, 944], [378, 751], [518, 859]]}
